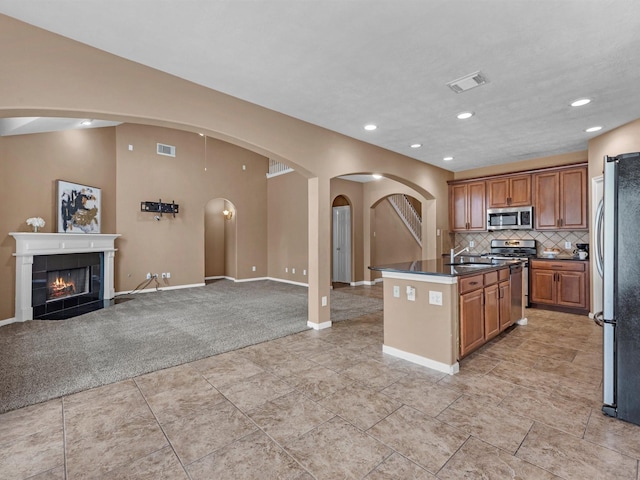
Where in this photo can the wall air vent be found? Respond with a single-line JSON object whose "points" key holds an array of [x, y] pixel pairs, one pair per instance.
{"points": [[168, 150], [468, 82]]}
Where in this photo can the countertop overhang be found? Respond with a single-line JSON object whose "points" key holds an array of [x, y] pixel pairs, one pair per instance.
{"points": [[444, 268]]}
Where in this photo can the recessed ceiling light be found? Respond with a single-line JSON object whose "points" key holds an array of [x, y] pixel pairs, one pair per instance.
{"points": [[377, 176], [416, 145], [465, 115], [447, 159], [86, 122], [593, 129], [370, 127], [580, 102]]}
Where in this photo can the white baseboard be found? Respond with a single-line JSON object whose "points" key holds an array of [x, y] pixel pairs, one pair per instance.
{"points": [[8, 321], [282, 280], [425, 362], [319, 326], [161, 289], [256, 279]]}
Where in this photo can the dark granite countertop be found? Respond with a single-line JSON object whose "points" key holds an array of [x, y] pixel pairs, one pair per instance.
{"points": [[442, 267]]}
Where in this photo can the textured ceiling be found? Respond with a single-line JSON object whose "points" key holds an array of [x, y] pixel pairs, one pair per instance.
{"points": [[342, 64]]}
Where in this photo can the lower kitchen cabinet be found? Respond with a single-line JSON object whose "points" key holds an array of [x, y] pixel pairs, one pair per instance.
{"points": [[560, 285], [485, 308]]}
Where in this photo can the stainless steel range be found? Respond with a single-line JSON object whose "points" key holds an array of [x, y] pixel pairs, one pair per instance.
{"points": [[515, 249]]}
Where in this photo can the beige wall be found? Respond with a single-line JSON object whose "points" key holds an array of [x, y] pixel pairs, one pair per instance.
{"points": [[29, 168], [624, 139], [288, 227]]}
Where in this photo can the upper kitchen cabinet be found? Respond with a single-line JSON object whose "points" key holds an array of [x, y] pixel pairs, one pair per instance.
{"points": [[467, 210], [560, 201], [509, 192]]}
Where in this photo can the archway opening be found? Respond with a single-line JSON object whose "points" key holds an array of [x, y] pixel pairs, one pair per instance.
{"points": [[220, 245]]}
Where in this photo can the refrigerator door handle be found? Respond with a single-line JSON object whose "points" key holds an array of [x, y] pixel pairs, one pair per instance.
{"points": [[598, 237]]}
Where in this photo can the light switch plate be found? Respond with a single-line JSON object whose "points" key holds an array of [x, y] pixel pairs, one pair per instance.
{"points": [[411, 294], [396, 291], [567, 245]]}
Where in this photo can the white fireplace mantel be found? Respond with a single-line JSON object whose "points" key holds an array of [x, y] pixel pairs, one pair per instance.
{"points": [[29, 245]]}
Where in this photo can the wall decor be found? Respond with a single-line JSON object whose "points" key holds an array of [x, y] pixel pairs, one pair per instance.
{"points": [[79, 208]]}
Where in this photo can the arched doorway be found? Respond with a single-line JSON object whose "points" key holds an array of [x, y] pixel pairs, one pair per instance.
{"points": [[341, 240], [220, 239]]}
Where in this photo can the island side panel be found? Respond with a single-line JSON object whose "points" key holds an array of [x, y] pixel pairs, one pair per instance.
{"points": [[419, 327]]}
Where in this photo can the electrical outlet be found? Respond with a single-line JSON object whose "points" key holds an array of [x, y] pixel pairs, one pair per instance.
{"points": [[324, 301], [168, 274], [286, 269], [293, 270], [148, 276], [411, 294], [396, 291], [472, 244], [567, 245], [435, 298], [304, 272], [253, 269], [164, 275]]}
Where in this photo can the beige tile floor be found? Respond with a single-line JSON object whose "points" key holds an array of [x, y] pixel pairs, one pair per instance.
{"points": [[330, 405]]}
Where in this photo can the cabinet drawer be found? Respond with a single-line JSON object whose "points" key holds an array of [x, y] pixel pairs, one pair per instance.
{"points": [[503, 274], [472, 282], [491, 277], [559, 265]]}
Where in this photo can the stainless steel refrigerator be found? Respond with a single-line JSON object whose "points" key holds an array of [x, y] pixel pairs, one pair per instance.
{"points": [[621, 283]]}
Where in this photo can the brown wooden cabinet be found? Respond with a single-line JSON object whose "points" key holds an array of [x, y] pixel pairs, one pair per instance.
{"points": [[561, 199], [560, 285], [485, 307], [467, 210], [512, 191]]}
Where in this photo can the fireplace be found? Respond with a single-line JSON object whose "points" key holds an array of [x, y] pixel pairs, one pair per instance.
{"points": [[66, 285], [61, 275]]}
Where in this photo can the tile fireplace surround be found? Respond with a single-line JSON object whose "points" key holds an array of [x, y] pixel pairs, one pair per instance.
{"points": [[29, 245]]}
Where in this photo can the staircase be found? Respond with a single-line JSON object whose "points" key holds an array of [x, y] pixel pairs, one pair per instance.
{"points": [[277, 168], [408, 214]]}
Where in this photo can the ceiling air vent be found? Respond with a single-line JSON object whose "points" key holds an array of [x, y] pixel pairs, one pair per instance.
{"points": [[468, 82], [168, 150]]}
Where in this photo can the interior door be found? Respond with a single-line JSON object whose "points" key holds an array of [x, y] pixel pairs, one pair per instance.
{"points": [[342, 244]]}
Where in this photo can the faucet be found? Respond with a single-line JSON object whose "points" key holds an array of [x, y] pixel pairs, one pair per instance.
{"points": [[454, 255]]}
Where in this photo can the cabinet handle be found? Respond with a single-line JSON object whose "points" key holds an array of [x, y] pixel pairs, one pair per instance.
{"points": [[473, 283]]}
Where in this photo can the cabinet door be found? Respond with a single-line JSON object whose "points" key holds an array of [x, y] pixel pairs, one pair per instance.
{"points": [[573, 195], [504, 304], [542, 288], [498, 193], [520, 191], [491, 312], [547, 204], [458, 207], [471, 321], [477, 211], [572, 289]]}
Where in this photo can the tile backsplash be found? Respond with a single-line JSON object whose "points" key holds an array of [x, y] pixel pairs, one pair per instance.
{"points": [[546, 239]]}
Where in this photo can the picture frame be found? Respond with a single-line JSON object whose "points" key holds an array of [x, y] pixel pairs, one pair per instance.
{"points": [[79, 208]]}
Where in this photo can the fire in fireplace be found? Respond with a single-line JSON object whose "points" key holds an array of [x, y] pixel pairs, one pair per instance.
{"points": [[67, 283]]}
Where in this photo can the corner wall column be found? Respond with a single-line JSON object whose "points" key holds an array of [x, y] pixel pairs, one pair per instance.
{"points": [[319, 253], [24, 267]]}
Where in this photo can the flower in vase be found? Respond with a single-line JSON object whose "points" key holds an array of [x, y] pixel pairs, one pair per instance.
{"points": [[35, 222]]}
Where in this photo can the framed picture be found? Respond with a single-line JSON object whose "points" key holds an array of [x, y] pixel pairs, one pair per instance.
{"points": [[79, 208]]}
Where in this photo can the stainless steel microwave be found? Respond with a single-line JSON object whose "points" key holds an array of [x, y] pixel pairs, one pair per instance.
{"points": [[510, 218]]}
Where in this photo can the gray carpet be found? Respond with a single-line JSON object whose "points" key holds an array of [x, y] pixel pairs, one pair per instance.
{"points": [[41, 360]]}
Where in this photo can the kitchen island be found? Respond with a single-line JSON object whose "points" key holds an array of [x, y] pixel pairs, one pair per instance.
{"points": [[437, 311]]}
